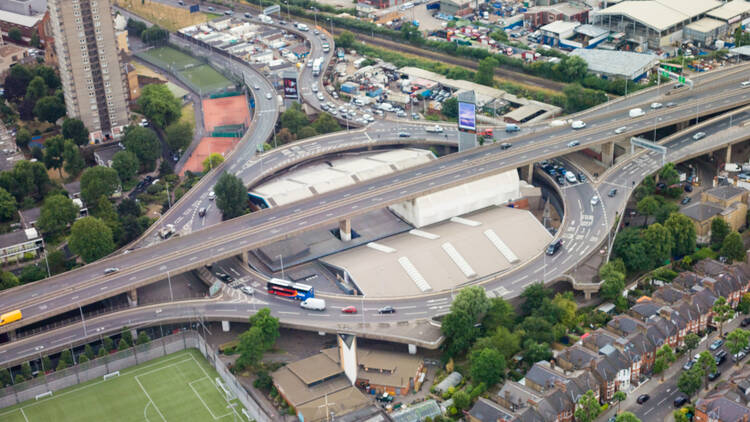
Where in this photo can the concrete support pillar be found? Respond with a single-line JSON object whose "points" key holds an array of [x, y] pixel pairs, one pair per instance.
{"points": [[12, 335], [412, 349], [529, 173], [345, 230], [608, 154], [134, 333], [225, 326], [682, 125], [446, 150], [133, 297], [243, 257], [729, 154], [587, 294]]}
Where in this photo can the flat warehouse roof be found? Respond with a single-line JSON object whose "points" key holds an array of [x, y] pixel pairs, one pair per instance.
{"points": [[706, 25], [661, 14], [730, 10], [380, 272], [625, 63]]}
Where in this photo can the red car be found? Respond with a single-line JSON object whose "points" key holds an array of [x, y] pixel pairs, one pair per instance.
{"points": [[349, 310]]}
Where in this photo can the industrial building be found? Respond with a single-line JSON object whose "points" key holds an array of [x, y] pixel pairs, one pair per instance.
{"points": [[732, 13], [705, 31], [442, 256], [617, 64], [539, 16], [653, 23], [335, 174]]}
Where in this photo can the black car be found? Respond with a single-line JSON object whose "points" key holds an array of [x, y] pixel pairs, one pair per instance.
{"points": [[745, 322], [643, 398], [714, 375], [680, 401], [560, 180], [505, 145], [720, 357], [386, 310], [688, 187], [612, 193], [582, 177], [554, 247]]}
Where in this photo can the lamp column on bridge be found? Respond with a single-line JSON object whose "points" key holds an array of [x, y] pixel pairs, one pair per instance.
{"points": [[729, 154]]}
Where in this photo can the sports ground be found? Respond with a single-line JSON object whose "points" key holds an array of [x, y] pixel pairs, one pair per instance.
{"points": [[177, 387], [202, 76], [172, 56]]}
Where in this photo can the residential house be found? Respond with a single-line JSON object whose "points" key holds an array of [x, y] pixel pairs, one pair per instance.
{"points": [[485, 410], [727, 202]]}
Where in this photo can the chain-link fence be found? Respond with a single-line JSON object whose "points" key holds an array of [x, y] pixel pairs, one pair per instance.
{"points": [[123, 359]]}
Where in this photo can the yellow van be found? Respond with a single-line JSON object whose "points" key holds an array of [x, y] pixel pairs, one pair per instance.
{"points": [[9, 317]]}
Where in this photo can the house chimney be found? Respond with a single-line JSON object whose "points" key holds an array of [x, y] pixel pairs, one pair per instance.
{"points": [[552, 363]]}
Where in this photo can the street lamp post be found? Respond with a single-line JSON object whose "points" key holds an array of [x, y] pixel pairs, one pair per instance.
{"points": [[363, 309], [83, 320], [315, 11], [281, 257], [171, 294], [288, 15]]}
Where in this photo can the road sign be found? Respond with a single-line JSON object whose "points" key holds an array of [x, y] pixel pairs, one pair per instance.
{"points": [[272, 9], [643, 143], [194, 8]]}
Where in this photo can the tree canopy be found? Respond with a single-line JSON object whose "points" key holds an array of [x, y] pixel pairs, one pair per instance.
{"points": [[74, 129], [125, 164], [49, 108], [732, 247], [144, 143], [57, 213], [231, 196], [179, 135], [91, 239], [159, 105], [97, 181]]}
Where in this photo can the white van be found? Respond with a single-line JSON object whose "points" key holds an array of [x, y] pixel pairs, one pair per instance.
{"points": [[570, 177], [313, 304], [636, 112]]}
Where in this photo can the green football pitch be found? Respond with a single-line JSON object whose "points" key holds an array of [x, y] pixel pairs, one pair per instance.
{"points": [[172, 56], [177, 387], [206, 78]]}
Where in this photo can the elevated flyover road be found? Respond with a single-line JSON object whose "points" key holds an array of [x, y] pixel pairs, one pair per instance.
{"points": [[589, 223], [66, 291]]}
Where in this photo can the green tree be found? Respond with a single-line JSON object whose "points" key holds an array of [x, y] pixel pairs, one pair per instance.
{"points": [[83, 359], [154, 35], [302, 133], [619, 397], [722, 312], [122, 345], [683, 233], [535, 352], [49, 109], [231, 196], [37, 89], [47, 364], [579, 98], [159, 105], [660, 365], [23, 137], [691, 342], [212, 161], [410, 33], [450, 108], [719, 230], [486, 71], [26, 370], [681, 415], [707, 365], [53, 153], [744, 305], [8, 205], [179, 135], [56, 214], [91, 239], [31, 273], [566, 309], [62, 363], [97, 181], [269, 327], [144, 143], [737, 340], [503, 340], [648, 206], [74, 163], [690, 381], [108, 344], [4, 378], [732, 247], [15, 34], [538, 328], [19, 379], [627, 417], [630, 247], [487, 366], [461, 400], [143, 338], [533, 296], [669, 174], [612, 275], [75, 130], [473, 301], [459, 331], [587, 408], [345, 40], [101, 352], [500, 313], [28, 179], [659, 242], [126, 335], [7, 280], [126, 165], [294, 118], [88, 351], [325, 123]]}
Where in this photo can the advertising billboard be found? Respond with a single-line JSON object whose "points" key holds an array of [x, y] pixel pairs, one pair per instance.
{"points": [[467, 116], [290, 88], [195, 8]]}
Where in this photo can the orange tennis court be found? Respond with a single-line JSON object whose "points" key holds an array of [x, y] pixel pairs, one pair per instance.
{"points": [[219, 115]]}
